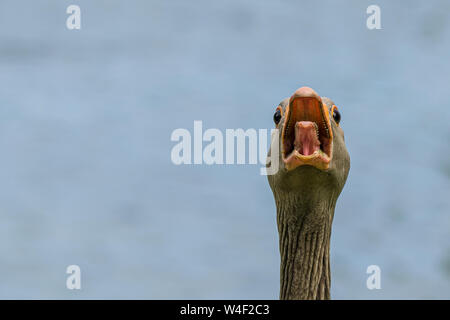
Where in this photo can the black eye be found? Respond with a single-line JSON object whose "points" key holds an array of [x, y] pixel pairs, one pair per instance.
{"points": [[336, 116], [277, 116]]}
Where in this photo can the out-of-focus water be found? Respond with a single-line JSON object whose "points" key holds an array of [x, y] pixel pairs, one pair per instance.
{"points": [[85, 124]]}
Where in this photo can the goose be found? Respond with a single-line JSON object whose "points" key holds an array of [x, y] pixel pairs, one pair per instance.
{"points": [[314, 165]]}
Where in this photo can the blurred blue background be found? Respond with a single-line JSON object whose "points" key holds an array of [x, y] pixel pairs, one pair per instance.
{"points": [[85, 124]]}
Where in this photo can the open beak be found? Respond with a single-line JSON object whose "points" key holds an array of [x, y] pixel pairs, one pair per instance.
{"points": [[307, 138]]}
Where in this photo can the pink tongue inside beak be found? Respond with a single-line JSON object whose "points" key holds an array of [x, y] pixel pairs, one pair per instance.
{"points": [[306, 140]]}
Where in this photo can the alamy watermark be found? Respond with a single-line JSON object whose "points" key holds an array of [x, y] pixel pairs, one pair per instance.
{"points": [[74, 20], [374, 280], [230, 150], [374, 20], [74, 280]]}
